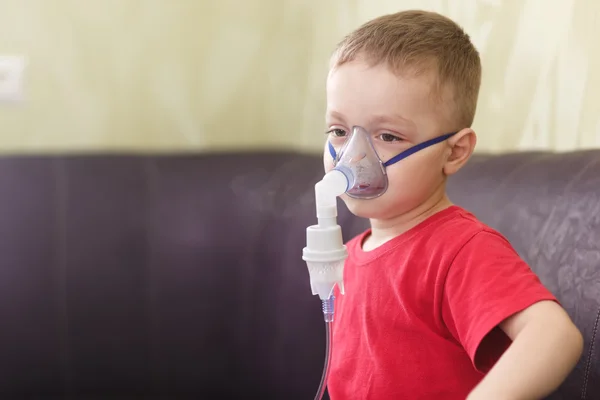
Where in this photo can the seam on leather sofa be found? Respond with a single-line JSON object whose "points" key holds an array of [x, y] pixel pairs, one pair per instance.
{"points": [[588, 365]]}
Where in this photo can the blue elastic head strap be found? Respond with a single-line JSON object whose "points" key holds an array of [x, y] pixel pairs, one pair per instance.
{"points": [[406, 152]]}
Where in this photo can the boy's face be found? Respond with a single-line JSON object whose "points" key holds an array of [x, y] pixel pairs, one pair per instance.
{"points": [[398, 113]]}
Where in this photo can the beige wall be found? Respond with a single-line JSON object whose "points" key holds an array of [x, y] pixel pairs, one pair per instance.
{"points": [[200, 74]]}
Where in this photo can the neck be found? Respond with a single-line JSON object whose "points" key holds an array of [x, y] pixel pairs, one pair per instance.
{"points": [[384, 230]]}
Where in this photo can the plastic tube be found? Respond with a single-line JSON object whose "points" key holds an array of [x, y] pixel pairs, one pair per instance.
{"points": [[328, 314]]}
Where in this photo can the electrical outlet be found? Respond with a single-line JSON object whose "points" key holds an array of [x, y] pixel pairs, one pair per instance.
{"points": [[12, 70]]}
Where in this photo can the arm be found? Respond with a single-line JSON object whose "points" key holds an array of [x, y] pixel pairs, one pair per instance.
{"points": [[545, 348]]}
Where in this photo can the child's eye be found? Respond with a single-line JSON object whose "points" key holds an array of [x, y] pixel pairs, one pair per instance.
{"points": [[337, 132], [388, 137]]}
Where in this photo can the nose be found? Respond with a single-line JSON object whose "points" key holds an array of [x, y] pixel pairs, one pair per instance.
{"points": [[357, 157]]}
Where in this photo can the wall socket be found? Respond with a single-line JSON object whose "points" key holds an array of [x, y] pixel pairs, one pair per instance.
{"points": [[12, 71]]}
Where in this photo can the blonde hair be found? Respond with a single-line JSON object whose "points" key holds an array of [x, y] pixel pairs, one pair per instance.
{"points": [[416, 41]]}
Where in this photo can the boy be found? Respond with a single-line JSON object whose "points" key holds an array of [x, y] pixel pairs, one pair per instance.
{"points": [[436, 305]]}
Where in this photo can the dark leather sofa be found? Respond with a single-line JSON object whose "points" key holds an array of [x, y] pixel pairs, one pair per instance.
{"points": [[176, 277]]}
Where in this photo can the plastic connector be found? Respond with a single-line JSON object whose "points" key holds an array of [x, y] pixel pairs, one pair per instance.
{"points": [[334, 184], [328, 308]]}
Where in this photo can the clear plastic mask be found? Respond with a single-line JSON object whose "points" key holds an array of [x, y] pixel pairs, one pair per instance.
{"points": [[366, 172]]}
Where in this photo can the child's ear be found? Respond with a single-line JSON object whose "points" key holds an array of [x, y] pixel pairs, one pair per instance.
{"points": [[460, 148]]}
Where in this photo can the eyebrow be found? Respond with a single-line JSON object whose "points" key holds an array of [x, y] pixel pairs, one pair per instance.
{"points": [[377, 119], [335, 114], [391, 118]]}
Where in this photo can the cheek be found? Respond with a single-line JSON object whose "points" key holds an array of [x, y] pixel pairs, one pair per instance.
{"points": [[415, 176]]}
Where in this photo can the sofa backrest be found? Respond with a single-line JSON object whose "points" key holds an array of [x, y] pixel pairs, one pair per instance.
{"points": [[548, 206], [174, 276], [182, 275]]}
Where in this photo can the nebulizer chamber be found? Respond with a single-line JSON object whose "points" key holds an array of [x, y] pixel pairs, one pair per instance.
{"points": [[358, 172], [325, 254]]}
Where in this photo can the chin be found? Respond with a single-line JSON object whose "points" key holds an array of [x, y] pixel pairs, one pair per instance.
{"points": [[390, 205], [370, 209]]}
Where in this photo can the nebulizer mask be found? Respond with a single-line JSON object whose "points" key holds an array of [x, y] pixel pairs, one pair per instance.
{"points": [[366, 172], [360, 173]]}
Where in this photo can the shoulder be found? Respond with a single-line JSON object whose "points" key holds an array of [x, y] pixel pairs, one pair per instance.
{"points": [[460, 240], [480, 248], [437, 240], [468, 234], [462, 232], [465, 222], [452, 227]]}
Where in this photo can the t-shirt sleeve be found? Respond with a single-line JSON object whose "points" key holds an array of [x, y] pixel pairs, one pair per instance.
{"points": [[486, 283]]}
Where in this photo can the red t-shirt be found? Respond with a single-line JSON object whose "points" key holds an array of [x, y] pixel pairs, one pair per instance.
{"points": [[417, 309]]}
